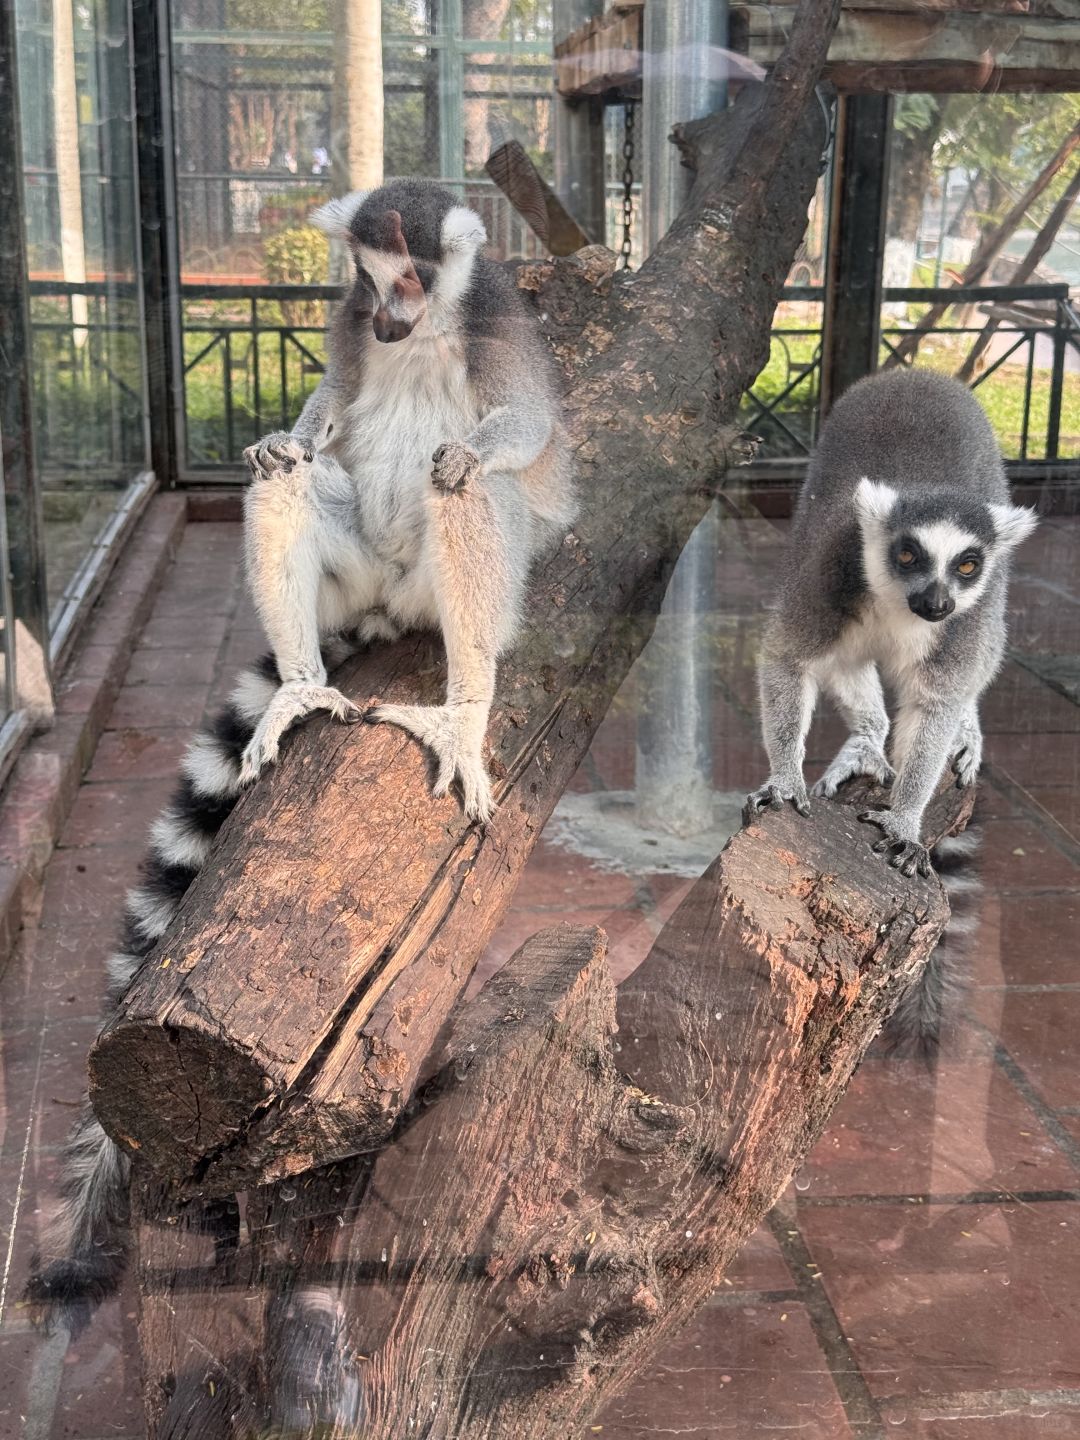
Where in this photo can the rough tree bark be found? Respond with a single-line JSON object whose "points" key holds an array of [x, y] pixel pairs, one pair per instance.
{"points": [[284, 1019], [575, 1179]]}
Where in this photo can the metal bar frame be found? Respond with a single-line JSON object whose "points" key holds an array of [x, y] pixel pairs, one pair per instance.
{"points": [[22, 561]]}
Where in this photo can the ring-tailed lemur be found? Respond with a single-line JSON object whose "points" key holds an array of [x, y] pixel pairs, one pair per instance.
{"points": [[899, 567], [424, 473], [422, 477]]}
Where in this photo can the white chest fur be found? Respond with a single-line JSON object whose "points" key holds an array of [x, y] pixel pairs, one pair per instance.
{"points": [[887, 635], [415, 397]]}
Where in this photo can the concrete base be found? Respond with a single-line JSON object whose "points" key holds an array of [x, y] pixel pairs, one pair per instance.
{"points": [[603, 827]]}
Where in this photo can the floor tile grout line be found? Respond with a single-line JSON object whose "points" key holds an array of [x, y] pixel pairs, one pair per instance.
{"points": [[940, 1405], [1044, 1112], [1063, 840], [860, 1407]]}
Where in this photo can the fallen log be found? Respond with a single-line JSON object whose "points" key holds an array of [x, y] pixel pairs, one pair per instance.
{"points": [[284, 1018], [577, 1176]]}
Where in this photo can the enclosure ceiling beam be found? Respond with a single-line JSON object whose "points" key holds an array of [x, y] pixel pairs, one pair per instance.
{"points": [[887, 46]]}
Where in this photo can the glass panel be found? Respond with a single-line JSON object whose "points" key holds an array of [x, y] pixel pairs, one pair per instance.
{"points": [[432, 1191], [983, 194], [270, 123], [83, 242]]}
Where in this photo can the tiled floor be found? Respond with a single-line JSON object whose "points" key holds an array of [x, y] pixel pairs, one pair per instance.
{"points": [[920, 1278]]}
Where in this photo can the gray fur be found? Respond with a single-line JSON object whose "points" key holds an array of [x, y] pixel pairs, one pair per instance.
{"points": [[917, 1025], [421, 479], [907, 486]]}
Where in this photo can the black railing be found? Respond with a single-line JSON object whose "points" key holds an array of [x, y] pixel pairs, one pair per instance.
{"points": [[252, 354], [1038, 323]]}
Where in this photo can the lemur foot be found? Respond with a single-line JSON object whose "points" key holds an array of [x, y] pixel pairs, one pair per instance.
{"points": [[454, 465], [377, 626], [771, 796], [857, 756], [904, 854], [454, 733], [966, 764], [292, 702], [275, 453]]}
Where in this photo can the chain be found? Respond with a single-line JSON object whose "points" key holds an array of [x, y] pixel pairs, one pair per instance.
{"points": [[628, 184]]}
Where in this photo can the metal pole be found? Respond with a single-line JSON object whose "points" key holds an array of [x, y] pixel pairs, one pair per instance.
{"points": [[579, 137], [682, 79], [853, 288]]}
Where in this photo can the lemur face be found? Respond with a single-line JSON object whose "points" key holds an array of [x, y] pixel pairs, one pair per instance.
{"points": [[413, 246], [934, 553]]}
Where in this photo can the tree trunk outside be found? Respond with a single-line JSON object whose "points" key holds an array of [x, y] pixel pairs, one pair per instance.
{"points": [[357, 97]]}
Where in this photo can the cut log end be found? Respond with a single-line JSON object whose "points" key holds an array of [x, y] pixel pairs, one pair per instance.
{"points": [[184, 1094]]}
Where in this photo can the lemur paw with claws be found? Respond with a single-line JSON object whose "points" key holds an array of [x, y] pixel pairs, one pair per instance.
{"points": [[772, 796], [293, 702], [453, 467]]}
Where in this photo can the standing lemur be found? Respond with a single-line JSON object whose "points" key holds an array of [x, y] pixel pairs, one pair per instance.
{"points": [[899, 565], [424, 474]]}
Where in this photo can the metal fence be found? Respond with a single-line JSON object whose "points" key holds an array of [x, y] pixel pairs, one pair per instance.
{"points": [[1028, 376], [253, 353]]}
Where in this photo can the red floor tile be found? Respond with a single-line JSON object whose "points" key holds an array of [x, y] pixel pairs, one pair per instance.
{"points": [[171, 667], [903, 1129], [936, 1299], [155, 706], [138, 755], [115, 814], [738, 1371]]}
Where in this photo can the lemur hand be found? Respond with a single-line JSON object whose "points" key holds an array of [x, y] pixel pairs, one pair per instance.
{"points": [[454, 466], [771, 796], [277, 452], [904, 854]]}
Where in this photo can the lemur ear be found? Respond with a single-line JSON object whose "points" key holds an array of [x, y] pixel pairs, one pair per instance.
{"points": [[1012, 523], [333, 218], [462, 229], [874, 500]]}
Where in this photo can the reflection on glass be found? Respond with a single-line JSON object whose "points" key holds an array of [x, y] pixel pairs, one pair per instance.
{"points": [[82, 243]]}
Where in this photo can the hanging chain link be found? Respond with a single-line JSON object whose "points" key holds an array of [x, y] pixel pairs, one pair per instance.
{"points": [[628, 184]]}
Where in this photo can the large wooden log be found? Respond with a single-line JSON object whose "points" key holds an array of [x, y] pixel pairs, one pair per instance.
{"points": [[284, 1019], [576, 1177]]}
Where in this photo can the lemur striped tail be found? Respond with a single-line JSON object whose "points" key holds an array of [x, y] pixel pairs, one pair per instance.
{"points": [[84, 1253], [915, 1027]]}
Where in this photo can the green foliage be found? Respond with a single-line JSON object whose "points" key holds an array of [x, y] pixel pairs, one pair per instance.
{"points": [[282, 209], [300, 256]]}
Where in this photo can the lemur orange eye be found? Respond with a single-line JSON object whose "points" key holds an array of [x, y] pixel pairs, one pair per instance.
{"points": [[967, 567], [906, 557]]}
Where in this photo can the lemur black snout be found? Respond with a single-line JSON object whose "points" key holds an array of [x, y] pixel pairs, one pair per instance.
{"points": [[387, 328], [933, 603]]}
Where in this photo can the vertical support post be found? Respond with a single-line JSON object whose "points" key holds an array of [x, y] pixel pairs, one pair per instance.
{"points": [[25, 557], [853, 283], [579, 138], [158, 250], [451, 91], [673, 774], [1057, 381]]}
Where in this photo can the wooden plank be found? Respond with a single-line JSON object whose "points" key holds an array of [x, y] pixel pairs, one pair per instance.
{"points": [[941, 51], [1063, 9], [604, 55]]}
